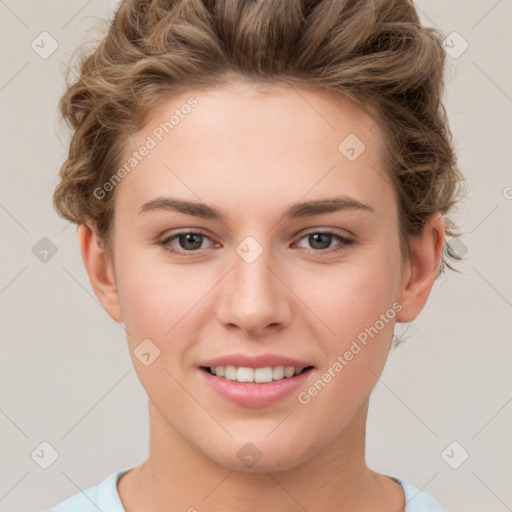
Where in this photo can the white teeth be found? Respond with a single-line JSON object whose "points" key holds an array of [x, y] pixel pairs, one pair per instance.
{"points": [[245, 374], [278, 372], [289, 371], [229, 372], [263, 374]]}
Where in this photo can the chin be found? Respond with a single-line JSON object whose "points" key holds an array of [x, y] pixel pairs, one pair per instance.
{"points": [[260, 456]]}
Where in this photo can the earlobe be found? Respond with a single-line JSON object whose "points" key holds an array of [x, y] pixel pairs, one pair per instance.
{"points": [[422, 269], [99, 268]]}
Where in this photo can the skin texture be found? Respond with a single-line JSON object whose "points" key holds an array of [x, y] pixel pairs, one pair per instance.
{"points": [[254, 153]]}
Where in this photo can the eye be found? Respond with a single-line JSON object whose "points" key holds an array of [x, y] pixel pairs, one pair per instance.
{"points": [[321, 242], [188, 241], [191, 242]]}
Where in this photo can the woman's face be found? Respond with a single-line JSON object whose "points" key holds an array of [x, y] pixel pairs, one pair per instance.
{"points": [[263, 283]]}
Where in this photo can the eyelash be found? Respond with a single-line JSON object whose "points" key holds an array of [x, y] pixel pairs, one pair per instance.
{"points": [[345, 243]]}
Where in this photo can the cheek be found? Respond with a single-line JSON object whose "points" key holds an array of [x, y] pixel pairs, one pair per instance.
{"points": [[164, 303], [347, 298], [360, 316], [354, 303], [151, 291]]}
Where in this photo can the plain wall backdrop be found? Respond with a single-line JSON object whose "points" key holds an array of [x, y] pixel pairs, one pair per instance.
{"points": [[66, 377]]}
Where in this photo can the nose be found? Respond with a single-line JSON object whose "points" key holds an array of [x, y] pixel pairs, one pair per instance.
{"points": [[254, 297]]}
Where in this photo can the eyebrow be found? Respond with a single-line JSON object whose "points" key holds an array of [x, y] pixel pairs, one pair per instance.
{"points": [[306, 209]]}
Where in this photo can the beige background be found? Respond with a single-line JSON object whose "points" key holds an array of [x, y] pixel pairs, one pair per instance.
{"points": [[66, 376]]}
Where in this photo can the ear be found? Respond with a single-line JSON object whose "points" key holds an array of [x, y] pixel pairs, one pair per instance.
{"points": [[422, 268], [99, 267]]}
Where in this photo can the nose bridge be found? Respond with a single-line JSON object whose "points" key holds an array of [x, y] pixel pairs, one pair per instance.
{"points": [[253, 297]]}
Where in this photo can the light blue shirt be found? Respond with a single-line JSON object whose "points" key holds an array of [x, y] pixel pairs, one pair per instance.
{"points": [[105, 497]]}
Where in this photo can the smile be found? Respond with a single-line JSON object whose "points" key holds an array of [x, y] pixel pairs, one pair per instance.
{"points": [[258, 375]]}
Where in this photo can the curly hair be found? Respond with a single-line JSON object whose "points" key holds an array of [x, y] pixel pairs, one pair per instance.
{"points": [[375, 53]]}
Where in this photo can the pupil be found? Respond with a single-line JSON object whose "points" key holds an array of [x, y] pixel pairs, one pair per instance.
{"points": [[187, 238], [316, 235]]}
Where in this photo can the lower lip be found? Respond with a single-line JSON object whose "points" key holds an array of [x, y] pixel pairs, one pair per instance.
{"points": [[256, 394]]}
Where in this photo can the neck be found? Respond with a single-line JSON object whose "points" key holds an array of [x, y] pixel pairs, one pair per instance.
{"points": [[177, 476]]}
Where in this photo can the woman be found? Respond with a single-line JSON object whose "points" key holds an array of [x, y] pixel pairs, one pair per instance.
{"points": [[261, 190]]}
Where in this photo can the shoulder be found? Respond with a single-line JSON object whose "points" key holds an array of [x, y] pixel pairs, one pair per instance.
{"points": [[103, 496], [418, 501]]}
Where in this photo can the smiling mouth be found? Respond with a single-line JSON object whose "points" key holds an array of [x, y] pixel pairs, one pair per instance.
{"points": [[255, 375]]}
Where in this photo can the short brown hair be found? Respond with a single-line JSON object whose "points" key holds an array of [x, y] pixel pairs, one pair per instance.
{"points": [[375, 53]]}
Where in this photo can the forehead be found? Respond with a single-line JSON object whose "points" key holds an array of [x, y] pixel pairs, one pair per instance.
{"points": [[240, 141]]}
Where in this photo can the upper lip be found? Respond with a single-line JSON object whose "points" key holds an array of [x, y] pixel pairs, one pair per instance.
{"points": [[258, 361]]}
